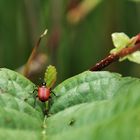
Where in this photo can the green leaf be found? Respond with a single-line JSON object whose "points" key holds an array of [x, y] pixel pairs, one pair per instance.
{"points": [[50, 76], [86, 87], [19, 117], [18, 86], [135, 57], [8, 101], [91, 105], [120, 41], [14, 134], [11, 118], [104, 119], [107, 128]]}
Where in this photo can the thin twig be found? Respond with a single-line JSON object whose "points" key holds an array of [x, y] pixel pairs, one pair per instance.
{"points": [[33, 54], [105, 62], [115, 56]]}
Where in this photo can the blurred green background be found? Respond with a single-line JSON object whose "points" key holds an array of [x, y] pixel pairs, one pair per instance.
{"points": [[79, 33]]}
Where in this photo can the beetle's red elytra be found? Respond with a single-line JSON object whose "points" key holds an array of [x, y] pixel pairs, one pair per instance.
{"points": [[44, 93]]}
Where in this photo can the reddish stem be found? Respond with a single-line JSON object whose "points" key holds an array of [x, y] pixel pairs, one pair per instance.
{"points": [[105, 62], [114, 57]]}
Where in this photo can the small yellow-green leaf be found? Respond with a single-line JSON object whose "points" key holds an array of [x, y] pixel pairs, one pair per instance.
{"points": [[120, 41], [135, 57], [50, 76]]}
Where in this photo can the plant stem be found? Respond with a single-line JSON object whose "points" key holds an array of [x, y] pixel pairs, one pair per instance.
{"points": [[33, 54], [115, 57], [105, 62]]}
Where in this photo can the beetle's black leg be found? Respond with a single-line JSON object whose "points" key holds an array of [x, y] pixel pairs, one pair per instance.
{"points": [[53, 93], [35, 90]]}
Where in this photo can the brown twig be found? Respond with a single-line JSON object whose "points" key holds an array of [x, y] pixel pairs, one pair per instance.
{"points": [[115, 56], [33, 54]]}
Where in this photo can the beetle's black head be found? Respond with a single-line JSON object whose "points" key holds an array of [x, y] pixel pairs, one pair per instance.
{"points": [[43, 83]]}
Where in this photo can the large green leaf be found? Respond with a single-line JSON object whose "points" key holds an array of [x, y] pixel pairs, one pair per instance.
{"points": [[8, 101], [19, 117], [87, 87], [91, 105], [104, 119], [14, 134], [18, 86]]}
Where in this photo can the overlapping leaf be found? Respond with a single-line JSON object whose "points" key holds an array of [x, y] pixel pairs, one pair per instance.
{"points": [[91, 105], [87, 87], [105, 118], [19, 117]]}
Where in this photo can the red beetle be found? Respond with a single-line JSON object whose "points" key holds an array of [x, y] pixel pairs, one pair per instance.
{"points": [[44, 92]]}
